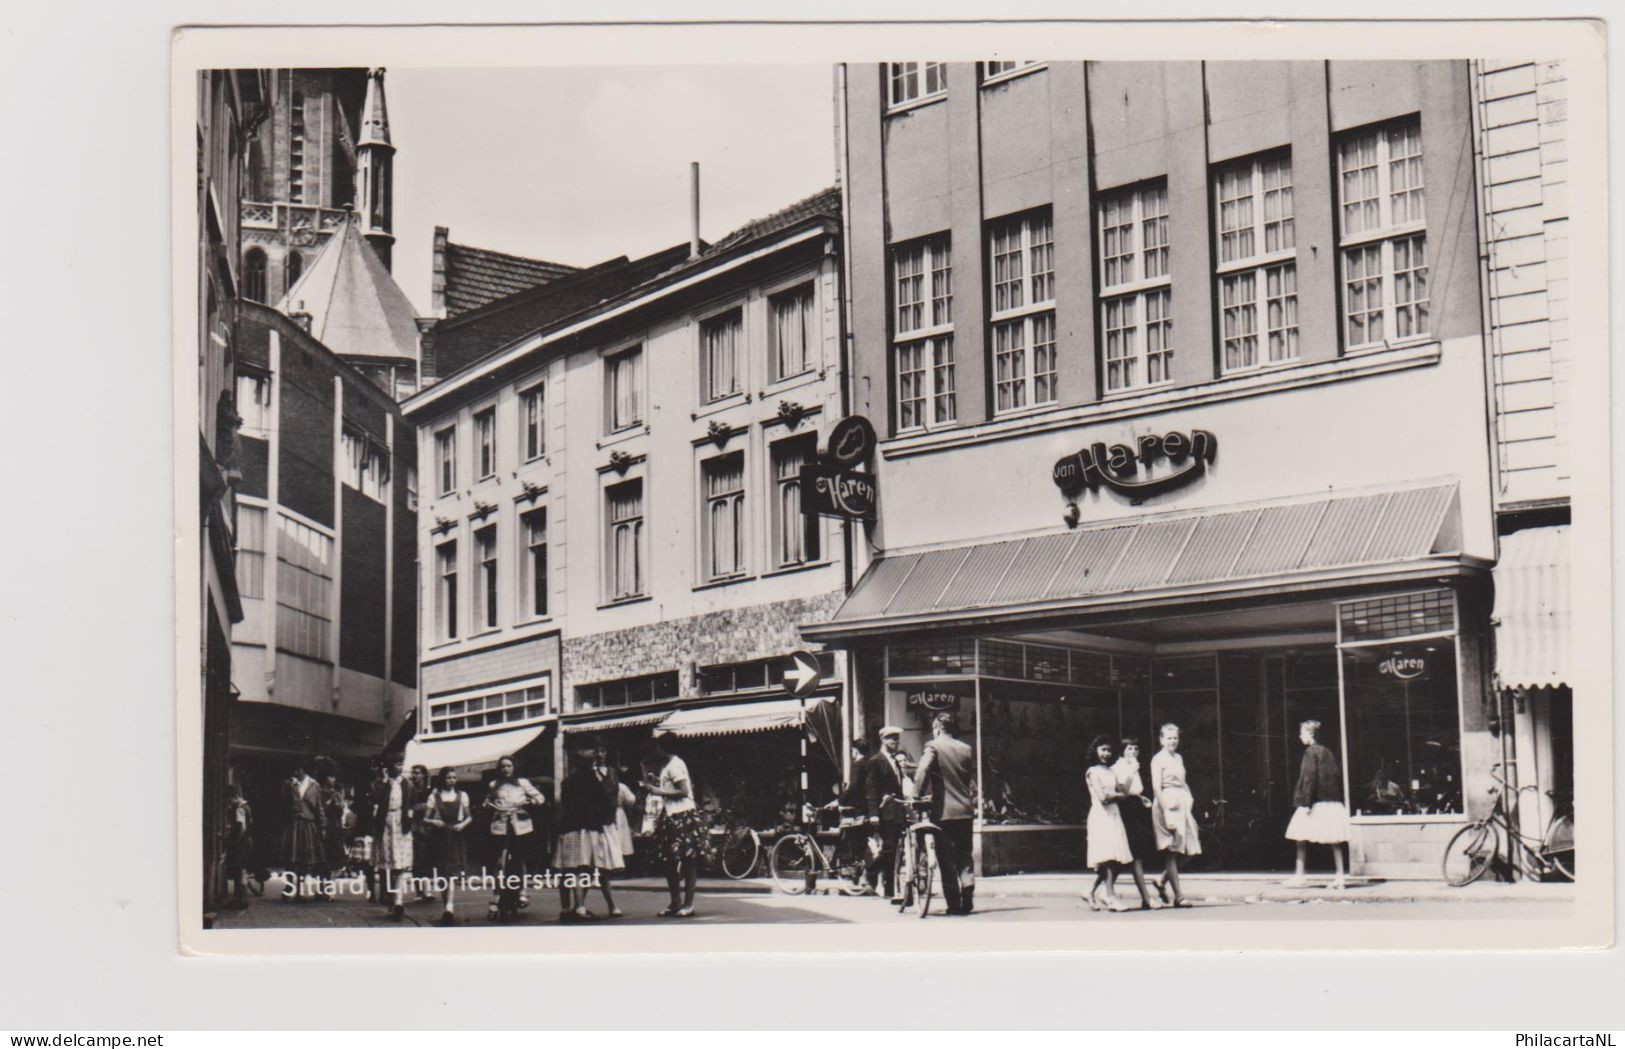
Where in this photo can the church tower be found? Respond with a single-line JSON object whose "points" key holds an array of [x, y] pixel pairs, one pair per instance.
{"points": [[375, 159]]}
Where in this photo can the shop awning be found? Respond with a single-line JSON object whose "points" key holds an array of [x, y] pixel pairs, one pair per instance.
{"points": [[737, 718], [1133, 561], [470, 751], [1532, 609], [615, 721]]}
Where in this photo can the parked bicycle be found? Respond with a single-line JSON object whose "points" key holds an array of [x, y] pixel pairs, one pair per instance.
{"points": [[799, 859], [1478, 846], [736, 849], [917, 869]]}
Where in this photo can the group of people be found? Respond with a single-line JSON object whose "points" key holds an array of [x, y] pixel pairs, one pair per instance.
{"points": [[1128, 827], [881, 786], [407, 833]]}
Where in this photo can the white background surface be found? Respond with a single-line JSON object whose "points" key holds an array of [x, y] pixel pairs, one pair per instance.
{"points": [[87, 904]]}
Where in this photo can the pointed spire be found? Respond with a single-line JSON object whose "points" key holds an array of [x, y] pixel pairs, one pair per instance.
{"points": [[374, 114]]}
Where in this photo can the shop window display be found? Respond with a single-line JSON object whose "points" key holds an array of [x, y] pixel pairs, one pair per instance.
{"points": [[1404, 728], [1035, 742]]}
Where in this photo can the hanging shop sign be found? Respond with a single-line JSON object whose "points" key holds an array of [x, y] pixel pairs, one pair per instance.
{"points": [[851, 441], [1153, 465], [829, 491]]}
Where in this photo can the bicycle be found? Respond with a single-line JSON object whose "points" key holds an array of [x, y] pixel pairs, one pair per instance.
{"points": [[739, 853], [798, 859], [916, 877], [510, 900], [1477, 846]]}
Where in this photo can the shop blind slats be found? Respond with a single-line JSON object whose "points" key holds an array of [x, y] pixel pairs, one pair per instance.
{"points": [[1411, 524], [925, 584], [1345, 531], [1278, 543], [1213, 549], [875, 590], [1029, 576], [1151, 554], [1088, 567], [983, 568]]}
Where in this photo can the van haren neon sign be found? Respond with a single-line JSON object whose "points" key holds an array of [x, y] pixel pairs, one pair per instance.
{"points": [[1118, 467]]}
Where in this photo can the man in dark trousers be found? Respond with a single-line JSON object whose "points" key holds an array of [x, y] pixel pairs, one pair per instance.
{"points": [[948, 771], [884, 775]]}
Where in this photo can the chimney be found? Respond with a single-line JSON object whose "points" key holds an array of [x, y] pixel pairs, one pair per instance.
{"points": [[437, 274], [694, 209]]}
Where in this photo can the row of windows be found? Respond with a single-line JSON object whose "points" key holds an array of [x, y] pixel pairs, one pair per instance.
{"points": [[916, 81], [366, 462], [518, 702], [304, 580], [485, 607], [792, 351], [1382, 260]]}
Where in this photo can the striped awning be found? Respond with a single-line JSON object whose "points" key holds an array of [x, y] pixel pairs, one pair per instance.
{"points": [[738, 718], [470, 751], [1113, 562], [1532, 609], [599, 724]]}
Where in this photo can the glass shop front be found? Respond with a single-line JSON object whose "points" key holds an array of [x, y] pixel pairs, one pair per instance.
{"points": [[1383, 673]]}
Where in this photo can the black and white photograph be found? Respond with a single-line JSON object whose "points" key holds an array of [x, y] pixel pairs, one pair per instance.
{"points": [[1081, 491]]}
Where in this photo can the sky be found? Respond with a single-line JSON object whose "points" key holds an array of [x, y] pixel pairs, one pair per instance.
{"points": [[580, 165]]}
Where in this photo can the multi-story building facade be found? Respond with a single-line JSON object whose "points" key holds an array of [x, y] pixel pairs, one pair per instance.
{"points": [[1520, 123], [1070, 285], [325, 154], [611, 531], [229, 106], [325, 658]]}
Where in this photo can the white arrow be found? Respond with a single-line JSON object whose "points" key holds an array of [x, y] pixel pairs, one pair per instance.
{"points": [[802, 676]]}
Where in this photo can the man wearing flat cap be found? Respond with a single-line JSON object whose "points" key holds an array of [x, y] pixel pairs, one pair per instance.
{"points": [[886, 780]]}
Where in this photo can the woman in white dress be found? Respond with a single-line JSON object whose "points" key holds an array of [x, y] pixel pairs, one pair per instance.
{"points": [[1172, 817], [1108, 847]]}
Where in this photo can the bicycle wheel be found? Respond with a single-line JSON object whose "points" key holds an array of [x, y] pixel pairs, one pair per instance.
{"points": [[1470, 853], [740, 852], [925, 876], [1559, 848], [791, 861]]}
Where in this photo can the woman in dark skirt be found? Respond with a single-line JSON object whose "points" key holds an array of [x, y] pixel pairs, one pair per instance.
{"points": [[1142, 838], [446, 815], [680, 831], [301, 853], [334, 854]]}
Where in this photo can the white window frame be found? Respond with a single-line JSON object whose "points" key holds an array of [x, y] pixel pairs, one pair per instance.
{"points": [[254, 409], [805, 296], [452, 714], [487, 578], [485, 442], [722, 321], [793, 531], [994, 72], [1396, 231], [533, 422], [412, 488], [528, 548], [1257, 329], [923, 74], [445, 459], [931, 337], [637, 525], [446, 595], [290, 598], [252, 546], [1136, 293], [1021, 249], [613, 385], [717, 564]]}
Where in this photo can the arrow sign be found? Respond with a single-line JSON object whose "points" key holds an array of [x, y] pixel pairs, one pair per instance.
{"points": [[802, 675]]}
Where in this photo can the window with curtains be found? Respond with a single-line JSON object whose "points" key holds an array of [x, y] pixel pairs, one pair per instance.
{"points": [[1382, 239], [720, 337], [624, 542], [791, 321], [485, 442], [445, 452], [1257, 268], [1136, 300], [534, 525], [723, 530], [923, 336], [623, 390], [254, 403], [303, 588], [914, 81], [795, 535], [445, 590], [1022, 256], [485, 578], [250, 550], [533, 436]]}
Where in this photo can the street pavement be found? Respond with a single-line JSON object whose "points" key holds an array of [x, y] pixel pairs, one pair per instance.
{"points": [[1016, 898]]}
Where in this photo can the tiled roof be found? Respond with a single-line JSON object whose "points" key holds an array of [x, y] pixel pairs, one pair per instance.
{"points": [[477, 276], [826, 203]]}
